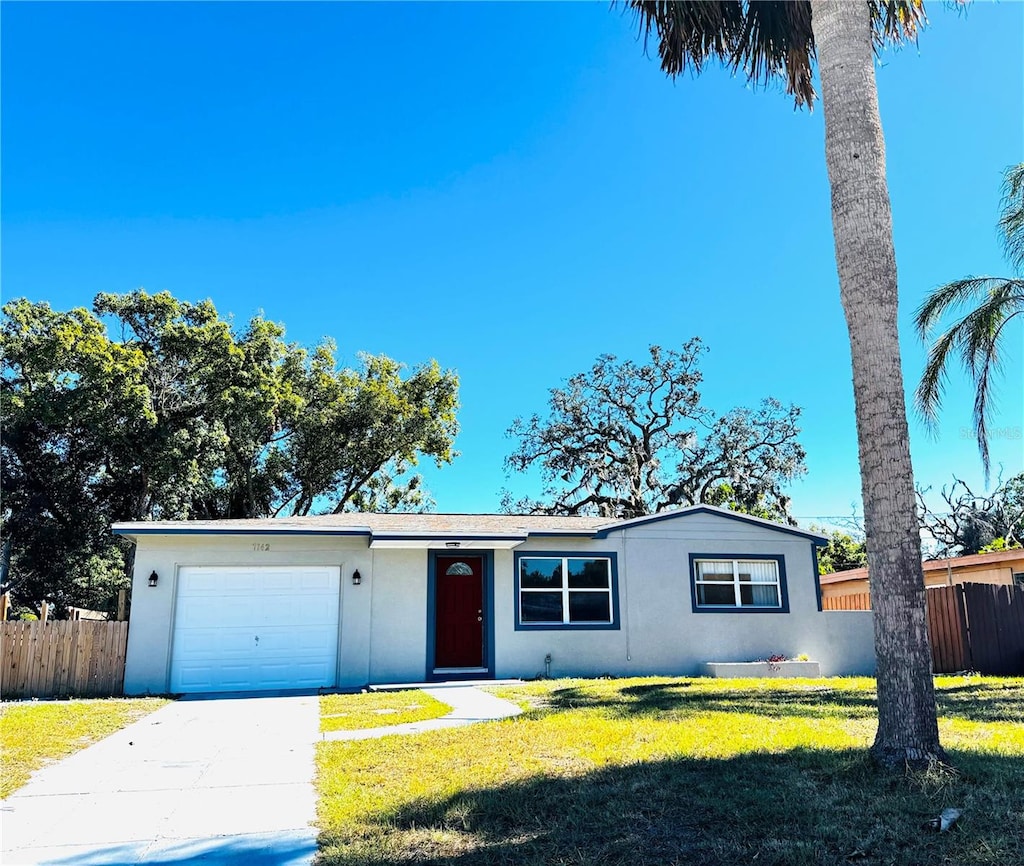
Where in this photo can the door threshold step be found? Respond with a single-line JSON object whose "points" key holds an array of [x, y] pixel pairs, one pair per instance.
{"points": [[441, 684], [438, 671]]}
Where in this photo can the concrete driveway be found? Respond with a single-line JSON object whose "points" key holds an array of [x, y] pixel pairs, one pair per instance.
{"points": [[201, 780]]}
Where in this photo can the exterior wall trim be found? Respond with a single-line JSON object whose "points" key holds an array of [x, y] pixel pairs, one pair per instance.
{"points": [[779, 558], [612, 556], [488, 633], [819, 540], [130, 533]]}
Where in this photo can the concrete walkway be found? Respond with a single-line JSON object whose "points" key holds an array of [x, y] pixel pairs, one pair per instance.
{"points": [[214, 780], [469, 705]]}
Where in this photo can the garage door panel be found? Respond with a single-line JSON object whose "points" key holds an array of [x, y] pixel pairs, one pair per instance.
{"points": [[305, 612], [312, 637], [220, 613], [311, 581], [199, 644]]}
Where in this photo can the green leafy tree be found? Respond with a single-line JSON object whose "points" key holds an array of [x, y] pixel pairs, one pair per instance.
{"points": [[771, 41], [178, 415], [842, 552], [981, 308], [64, 392], [626, 439]]}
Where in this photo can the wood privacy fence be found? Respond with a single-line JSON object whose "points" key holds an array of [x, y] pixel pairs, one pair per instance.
{"points": [[65, 658], [971, 626], [855, 601]]}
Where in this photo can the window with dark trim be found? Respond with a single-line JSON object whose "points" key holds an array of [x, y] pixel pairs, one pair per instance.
{"points": [[721, 583], [565, 591]]}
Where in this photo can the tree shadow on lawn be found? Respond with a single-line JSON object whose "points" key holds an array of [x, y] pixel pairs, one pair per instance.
{"points": [[682, 698], [800, 807], [978, 703], [983, 702]]}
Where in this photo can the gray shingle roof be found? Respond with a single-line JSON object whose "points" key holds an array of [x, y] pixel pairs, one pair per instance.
{"points": [[403, 525]]}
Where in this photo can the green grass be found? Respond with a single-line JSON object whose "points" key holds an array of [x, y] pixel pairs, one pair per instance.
{"points": [[37, 733], [663, 771], [378, 709]]}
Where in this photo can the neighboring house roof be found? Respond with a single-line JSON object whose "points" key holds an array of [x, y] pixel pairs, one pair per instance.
{"points": [[409, 526], [935, 565], [86, 613]]}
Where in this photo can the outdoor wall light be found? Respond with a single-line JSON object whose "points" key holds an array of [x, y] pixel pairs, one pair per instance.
{"points": [[452, 543], [357, 578], [153, 578]]}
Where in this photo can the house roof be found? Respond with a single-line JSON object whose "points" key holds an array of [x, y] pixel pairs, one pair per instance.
{"points": [[407, 526], [931, 565]]}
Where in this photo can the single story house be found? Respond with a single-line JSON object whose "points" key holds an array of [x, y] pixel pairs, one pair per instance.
{"points": [[346, 600], [1004, 567]]}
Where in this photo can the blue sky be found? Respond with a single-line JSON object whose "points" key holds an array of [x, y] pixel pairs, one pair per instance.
{"points": [[461, 181]]}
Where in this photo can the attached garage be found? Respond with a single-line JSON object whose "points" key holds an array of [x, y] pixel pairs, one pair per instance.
{"points": [[255, 628]]}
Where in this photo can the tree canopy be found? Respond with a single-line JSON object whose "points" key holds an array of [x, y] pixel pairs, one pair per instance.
{"points": [[174, 413], [842, 553], [626, 439]]}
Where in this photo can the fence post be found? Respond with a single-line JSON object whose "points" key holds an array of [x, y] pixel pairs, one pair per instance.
{"points": [[5, 605], [122, 600], [44, 611]]}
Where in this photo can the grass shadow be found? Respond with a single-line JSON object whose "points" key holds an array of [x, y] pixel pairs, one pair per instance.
{"points": [[978, 701], [685, 698], [798, 808]]}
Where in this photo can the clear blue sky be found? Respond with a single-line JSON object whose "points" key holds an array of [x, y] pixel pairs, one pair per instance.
{"points": [[461, 181]]}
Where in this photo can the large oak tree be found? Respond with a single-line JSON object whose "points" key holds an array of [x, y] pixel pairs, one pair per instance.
{"points": [[174, 413], [626, 439]]}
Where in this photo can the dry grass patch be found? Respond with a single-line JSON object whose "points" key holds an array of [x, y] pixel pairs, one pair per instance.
{"points": [[36, 733], [662, 771], [378, 710]]}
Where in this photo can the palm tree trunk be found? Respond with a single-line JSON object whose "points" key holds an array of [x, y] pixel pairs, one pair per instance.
{"points": [[862, 225]]}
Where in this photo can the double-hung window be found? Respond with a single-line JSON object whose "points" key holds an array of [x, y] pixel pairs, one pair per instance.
{"points": [[744, 584], [566, 591]]}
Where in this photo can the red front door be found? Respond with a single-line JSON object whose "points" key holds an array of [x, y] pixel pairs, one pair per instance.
{"points": [[459, 636]]}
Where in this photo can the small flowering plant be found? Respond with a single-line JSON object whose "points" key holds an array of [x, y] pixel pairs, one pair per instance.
{"points": [[773, 661]]}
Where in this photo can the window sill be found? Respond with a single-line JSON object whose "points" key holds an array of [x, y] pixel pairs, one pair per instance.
{"points": [[566, 626], [699, 609]]}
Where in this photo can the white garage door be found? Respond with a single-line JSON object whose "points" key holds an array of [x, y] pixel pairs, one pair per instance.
{"points": [[255, 628]]}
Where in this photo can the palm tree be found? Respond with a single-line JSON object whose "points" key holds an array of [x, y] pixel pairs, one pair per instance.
{"points": [[784, 39], [990, 302]]}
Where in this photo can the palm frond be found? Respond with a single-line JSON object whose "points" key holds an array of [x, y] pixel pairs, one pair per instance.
{"points": [[928, 397], [896, 21], [766, 40], [945, 298], [689, 34], [975, 337], [1011, 223]]}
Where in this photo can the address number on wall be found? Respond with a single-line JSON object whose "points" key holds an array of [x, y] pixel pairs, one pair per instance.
{"points": [[261, 546]]}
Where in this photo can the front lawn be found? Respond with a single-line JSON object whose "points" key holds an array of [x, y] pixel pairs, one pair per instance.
{"points": [[378, 709], [663, 771], [38, 732]]}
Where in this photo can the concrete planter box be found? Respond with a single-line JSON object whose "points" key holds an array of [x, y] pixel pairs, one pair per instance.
{"points": [[762, 669]]}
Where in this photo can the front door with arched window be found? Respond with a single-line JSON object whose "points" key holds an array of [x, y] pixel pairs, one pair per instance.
{"points": [[459, 608]]}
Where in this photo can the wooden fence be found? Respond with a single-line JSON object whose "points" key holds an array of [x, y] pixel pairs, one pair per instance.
{"points": [[995, 627], [64, 658], [855, 601], [971, 626]]}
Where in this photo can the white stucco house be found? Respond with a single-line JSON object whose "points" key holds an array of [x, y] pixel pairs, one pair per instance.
{"points": [[346, 600]]}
